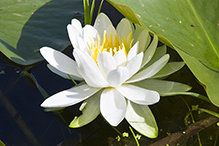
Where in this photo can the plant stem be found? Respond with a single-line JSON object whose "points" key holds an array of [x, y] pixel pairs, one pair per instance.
{"points": [[86, 11], [193, 120], [134, 136], [73, 80], [92, 11], [100, 7]]}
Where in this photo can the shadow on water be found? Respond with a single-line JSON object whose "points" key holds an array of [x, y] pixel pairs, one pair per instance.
{"points": [[46, 27]]}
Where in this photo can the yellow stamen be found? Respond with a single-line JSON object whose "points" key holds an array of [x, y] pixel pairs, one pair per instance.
{"points": [[116, 43], [111, 46], [110, 42]]}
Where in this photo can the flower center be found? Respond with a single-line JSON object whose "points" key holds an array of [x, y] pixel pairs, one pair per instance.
{"points": [[108, 46]]}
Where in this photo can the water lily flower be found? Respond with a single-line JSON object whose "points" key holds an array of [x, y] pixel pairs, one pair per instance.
{"points": [[117, 67]]}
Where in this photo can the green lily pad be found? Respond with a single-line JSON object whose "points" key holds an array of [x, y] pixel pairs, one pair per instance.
{"points": [[188, 26], [26, 26]]}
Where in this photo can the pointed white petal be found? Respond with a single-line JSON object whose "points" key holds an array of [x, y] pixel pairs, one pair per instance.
{"points": [[160, 52], [148, 54], [69, 97], [90, 110], [72, 33], [142, 119], [89, 70], [60, 61], [120, 58], [77, 24], [135, 64], [106, 63], [118, 76], [124, 28], [137, 31], [164, 88], [151, 70], [144, 40], [64, 75], [133, 51], [81, 44], [111, 31], [169, 69], [89, 32], [112, 106], [101, 23], [139, 95]]}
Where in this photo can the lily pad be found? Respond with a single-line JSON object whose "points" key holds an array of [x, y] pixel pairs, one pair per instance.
{"points": [[26, 26], [188, 26]]}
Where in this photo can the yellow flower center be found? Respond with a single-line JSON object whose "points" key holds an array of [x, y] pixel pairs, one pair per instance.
{"points": [[108, 46]]}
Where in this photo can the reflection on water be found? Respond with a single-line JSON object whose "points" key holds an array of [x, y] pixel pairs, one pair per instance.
{"points": [[23, 121]]}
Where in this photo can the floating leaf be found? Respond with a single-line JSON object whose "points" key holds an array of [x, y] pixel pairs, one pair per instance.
{"points": [[26, 26], [188, 26]]}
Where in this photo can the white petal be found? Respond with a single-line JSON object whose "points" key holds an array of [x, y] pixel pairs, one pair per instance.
{"points": [[164, 88], [81, 44], [151, 70], [137, 31], [106, 63], [133, 51], [77, 24], [139, 95], [112, 106], [60, 61], [89, 70], [160, 52], [69, 97], [120, 58], [169, 69], [142, 119], [144, 40], [90, 110], [101, 23], [111, 31], [72, 33], [64, 75], [135, 64], [89, 32], [124, 28], [118, 76], [148, 54]]}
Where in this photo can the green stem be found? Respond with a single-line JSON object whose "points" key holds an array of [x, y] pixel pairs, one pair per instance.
{"points": [[117, 131], [92, 11], [193, 120], [86, 11], [100, 7], [136, 140], [73, 80], [216, 137]]}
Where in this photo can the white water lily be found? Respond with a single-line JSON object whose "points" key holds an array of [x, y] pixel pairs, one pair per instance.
{"points": [[116, 67]]}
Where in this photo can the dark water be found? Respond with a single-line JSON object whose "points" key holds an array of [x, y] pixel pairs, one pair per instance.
{"points": [[24, 123]]}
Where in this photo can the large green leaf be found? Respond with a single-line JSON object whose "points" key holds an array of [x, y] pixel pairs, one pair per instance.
{"points": [[189, 26], [26, 26]]}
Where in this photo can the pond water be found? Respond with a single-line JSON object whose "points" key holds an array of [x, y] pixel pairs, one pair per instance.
{"points": [[24, 123]]}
